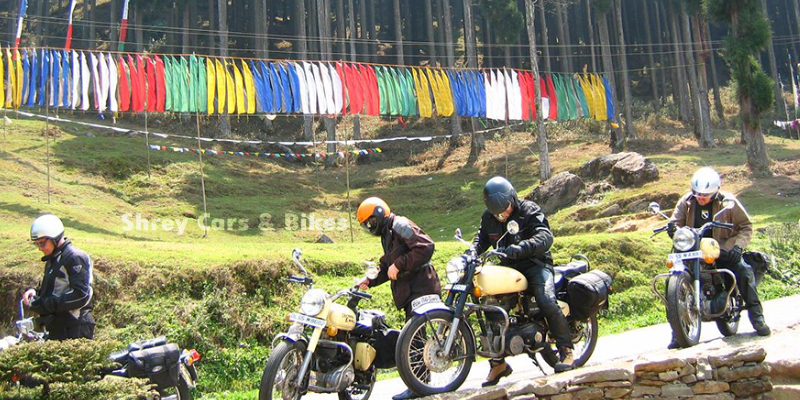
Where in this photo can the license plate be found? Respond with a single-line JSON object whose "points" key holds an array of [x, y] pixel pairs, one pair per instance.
{"points": [[676, 257], [455, 288], [421, 301], [305, 319]]}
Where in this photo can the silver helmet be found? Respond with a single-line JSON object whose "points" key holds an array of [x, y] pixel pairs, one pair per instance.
{"points": [[706, 181], [47, 226]]}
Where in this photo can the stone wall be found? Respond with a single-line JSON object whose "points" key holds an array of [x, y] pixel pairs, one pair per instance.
{"points": [[732, 375]]}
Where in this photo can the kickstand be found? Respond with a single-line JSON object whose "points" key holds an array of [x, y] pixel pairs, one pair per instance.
{"points": [[538, 364]]}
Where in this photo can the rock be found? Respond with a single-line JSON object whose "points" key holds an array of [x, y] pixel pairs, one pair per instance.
{"points": [[649, 382], [785, 368], [323, 238], [704, 371], [756, 354], [653, 376], [588, 394], [668, 376], [543, 387], [641, 391], [522, 388], [660, 366], [615, 393], [615, 209], [687, 370], [735, 374], [619, 374], [526, 397], [710, 387], [563, 396], [90, 135], [716, 396], [689, 379], [613, 384], [557, 192], [600, 167], [635, 170], [676, 390], [750, 387], [491, 394], [597, 188]]}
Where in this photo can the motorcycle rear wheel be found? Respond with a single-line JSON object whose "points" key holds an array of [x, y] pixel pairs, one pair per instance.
{"points": [[421, 367], [584, 341], [684, 318], [728, 324], [280, 373]]}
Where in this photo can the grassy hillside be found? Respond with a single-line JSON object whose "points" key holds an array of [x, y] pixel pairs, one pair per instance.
{"points": [[224, 294]]}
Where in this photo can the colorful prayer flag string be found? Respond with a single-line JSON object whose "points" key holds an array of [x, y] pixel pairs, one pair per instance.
{"points": [[208, 152]]}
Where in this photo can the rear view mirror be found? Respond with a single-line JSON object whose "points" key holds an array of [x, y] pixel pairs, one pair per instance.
{"points": [[727, 204], [458, 234], [372, 270], [654, 208], [296, 254]]}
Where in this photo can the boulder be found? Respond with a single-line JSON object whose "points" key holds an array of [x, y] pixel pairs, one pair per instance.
{"points": [[750, 388], [635, 170], [611, 211], [557, 192], [323, 238], [600, 167], [748, 354], [710, 387]]}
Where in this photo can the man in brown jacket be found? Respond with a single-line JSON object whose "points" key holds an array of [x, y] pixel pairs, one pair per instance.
{"points": [[698, 207], [407, 252]]}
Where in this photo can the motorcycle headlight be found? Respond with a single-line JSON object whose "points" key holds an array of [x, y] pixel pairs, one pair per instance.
{"points": [[313, 301], [683, 240], [456, 269]]}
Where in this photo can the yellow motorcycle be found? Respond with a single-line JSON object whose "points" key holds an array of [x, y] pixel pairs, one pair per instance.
{"points": [[330, 348], [438, 345]]}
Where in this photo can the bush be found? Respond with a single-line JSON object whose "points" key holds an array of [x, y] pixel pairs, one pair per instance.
{"points": [[72, 369]]}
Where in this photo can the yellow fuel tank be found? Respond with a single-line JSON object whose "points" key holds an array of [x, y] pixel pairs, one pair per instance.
{"points": [[494, 280], [341, 317]]}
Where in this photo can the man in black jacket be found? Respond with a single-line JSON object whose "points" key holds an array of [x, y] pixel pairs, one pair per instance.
{"points": [[64, 298], [527, 252]]}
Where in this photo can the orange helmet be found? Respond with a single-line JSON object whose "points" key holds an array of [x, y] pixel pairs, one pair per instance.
{"points": [[371, 212]]}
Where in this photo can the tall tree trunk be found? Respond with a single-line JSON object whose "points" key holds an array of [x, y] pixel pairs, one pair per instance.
{"points": [[341, 43], [478, 139], [567, 37], [193, 39], [590, 28], [663, 61], [617, 140], [684, 110], [373, 33], [365, 34], [630, 130], [455, 121], [440, 36], [707, 138], [138, 20], [717, 98], [562, 35], [398, 33], [488, 58], [352, 25], [541, 132], [185, 34], [212, 23], [429, 32], [773, 69], [651, 61], [92, 27], [113, 14], [545, 40], [222, 14], [699, 123], [261, 26], [796, 31], [40, 12]]}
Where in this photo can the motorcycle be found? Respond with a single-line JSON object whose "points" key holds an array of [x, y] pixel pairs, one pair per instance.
{"points": [[164, 364], [437, 346], [330, 348], [696, 290]]}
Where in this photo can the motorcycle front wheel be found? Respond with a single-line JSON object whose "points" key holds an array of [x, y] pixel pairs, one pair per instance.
{"points": [[683, 316], [280, 374], [419, 354], [584, 340]]}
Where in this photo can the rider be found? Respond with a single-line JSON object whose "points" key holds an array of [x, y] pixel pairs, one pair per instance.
{"points": [[529, 253], [407, 252], [64, 297], [698, 207]]}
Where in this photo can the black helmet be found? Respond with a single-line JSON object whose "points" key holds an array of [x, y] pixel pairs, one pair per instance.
{"points": [[498, 194]]}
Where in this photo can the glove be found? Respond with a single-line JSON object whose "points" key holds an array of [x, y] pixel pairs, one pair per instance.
{"points": [[735, 255], [671, 228], [513, 252]]}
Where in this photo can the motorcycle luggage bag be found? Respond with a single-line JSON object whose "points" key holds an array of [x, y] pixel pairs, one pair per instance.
{"points": [[759, 262], [159, 364], [588, 293], [385, 342]]}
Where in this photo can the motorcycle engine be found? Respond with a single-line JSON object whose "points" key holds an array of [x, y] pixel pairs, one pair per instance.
{"points": [[332, 370], [520, 337]]}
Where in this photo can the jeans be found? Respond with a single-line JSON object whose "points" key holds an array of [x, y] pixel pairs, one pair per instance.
{"points": [[746, 282], [542, 284]]}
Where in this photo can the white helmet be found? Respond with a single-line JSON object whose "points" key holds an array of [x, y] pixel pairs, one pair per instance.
{"points": [[47, 226], [705, 181]]}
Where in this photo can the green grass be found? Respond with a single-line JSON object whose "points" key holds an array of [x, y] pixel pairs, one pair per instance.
{"points": [[225, 294]]}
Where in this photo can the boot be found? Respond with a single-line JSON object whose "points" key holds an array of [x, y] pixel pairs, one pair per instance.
{"points": [[760, 326], [499, 369], [673, 344], [408, 394], [566, 361]]}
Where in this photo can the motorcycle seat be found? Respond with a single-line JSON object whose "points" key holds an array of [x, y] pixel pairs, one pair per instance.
{"points": [[370, 318], [568, 271]]}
